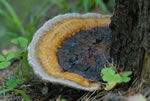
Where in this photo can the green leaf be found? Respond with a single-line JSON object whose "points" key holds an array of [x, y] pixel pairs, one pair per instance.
{"points": [[5, 14], [112, 2], [108, 74], [17, 71], [102, 5], [107, 77], [127, 73], [64, 99], [10, 56], [5, 90], [86, 5], [108, 71], [18, 54], [58, 3], [13, 55], [12, 34], [23, 94], [2, 58], [15, 41], [41, 7], [14, 16], [126, 79], [26, 65], [20, 80], [117, 78], [11, 83], [4, 64], [21, 41]]}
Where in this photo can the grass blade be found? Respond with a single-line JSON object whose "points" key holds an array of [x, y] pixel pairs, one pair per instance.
{"points": [[112, 2], [102, 5], [26, 66], [14, 16], [42, 6], [4, 64], [3, 13], [56, 2], [62, 5], [76, 7], [86, 5], [23, 94], [5, 90]]}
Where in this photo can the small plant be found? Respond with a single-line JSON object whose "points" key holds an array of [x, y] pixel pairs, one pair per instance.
{"points": [[12, 84], [63, 99], [5, 60], [22, 42], [109, 75]]}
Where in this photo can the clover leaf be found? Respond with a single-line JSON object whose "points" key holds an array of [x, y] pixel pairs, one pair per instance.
{"points": [[109, 75], [117, 78], [10, 56], [13, 82], [4, 64], [21, 41], [63, 99], [112, 78], [2, 58], [126, 79], [5, 61], [125, 74], [110, 71]]}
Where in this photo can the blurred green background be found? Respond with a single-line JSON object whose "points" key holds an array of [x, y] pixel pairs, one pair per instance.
{"points": [[24, 17]]}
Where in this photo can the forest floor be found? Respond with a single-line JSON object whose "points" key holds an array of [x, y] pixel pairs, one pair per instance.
{"points": [[38, 90]]}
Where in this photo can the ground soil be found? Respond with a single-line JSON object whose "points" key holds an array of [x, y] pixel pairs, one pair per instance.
{"points": [[41, 91]]}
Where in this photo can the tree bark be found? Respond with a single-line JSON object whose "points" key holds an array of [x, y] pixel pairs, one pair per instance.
{"points": [[131, 36]]}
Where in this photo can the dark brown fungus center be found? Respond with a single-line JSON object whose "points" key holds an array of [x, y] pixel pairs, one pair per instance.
{"points": [[85, 52]]}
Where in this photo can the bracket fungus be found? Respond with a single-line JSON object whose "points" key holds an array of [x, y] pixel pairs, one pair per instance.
{"points": [[48, 57]]}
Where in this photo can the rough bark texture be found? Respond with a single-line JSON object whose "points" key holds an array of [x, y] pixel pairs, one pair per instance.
{"points": [[131, 34]]}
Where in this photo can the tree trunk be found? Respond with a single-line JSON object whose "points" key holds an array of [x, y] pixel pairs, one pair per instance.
{"points": [[131, 36]]}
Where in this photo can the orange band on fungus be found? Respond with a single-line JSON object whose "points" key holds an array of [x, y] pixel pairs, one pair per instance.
{"points": [[49, 44]]}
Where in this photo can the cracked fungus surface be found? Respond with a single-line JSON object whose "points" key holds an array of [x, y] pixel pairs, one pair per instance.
{"points": [[50, 43], [85, 52]]}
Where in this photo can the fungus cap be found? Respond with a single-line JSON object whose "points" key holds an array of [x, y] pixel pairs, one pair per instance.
{"points": [[46, 41]]}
